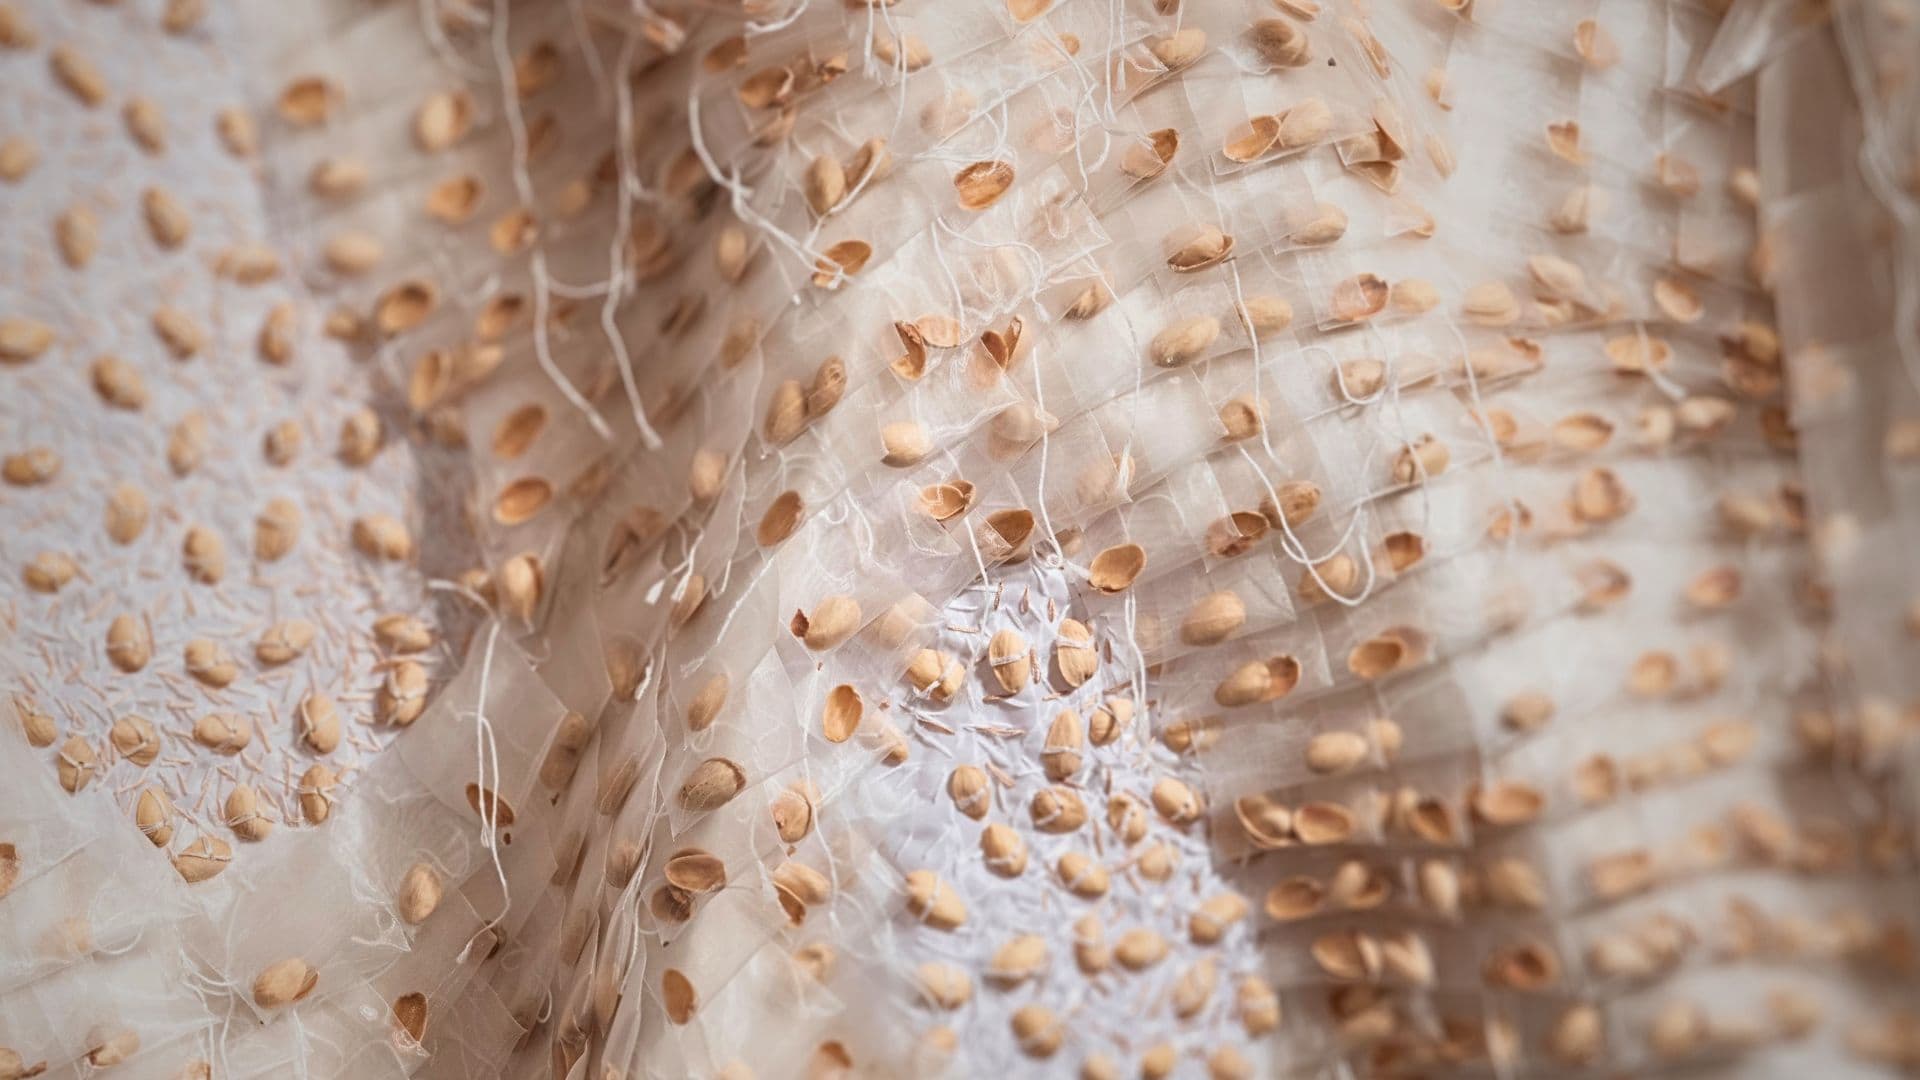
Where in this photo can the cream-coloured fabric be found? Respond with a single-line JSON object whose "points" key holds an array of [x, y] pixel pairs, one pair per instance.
{"points": [[1466, 439]]}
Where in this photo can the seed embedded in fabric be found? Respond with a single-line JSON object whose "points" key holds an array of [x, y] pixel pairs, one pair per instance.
{"points": [[1115, 568], [981, 184], [402, 695], [840, 717], [1176, 801], [284, 983], [905, 443], [129, 643], [1073, 652], [284, 642], [1251, 140], [242, 814], [1020, 958], [1206, 246], [841, 261], [1037, 1030], [23, 340], [944, 985], [77, 764], [153, 815], [49, 571], [1010, 659], [1148, 159], [1061, 753], [1184, 341], [711, 785], [135, 739], [933, 901]]}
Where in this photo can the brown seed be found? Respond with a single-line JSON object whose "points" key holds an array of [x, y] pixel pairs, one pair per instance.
{"points": [[209, 664], [405, 306], [1677, 300], [1184, 341], [1004, 850], [1600, 497], [38, 726], [1563, 138], [382, 536], [129, 643], [276, 529], [933, 901], [402, 633], [982, 183], [49, 571], [77, 764], [242, 815], [317, 722], [316, 793], [1359, 297], [284, 983], [967, 787], [1251, 140], [841, 261], [153, 814], [1507, 803], [696, 871], [361, 436]]}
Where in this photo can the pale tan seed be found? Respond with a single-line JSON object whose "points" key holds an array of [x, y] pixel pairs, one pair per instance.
{"points": [[1183, 341], [945, 986], [1180, 48], [1203, 247], [1251, 140], [242, 815], [167, 221], [284, 642], [248, 264], [1336, 751], [1004, 850], [77, 764], [402, 695], [1140, 948], [77, 234], [405, 306], [284, 983], [904, 443], [31, 468], [1060, 754], [23, 340], [833, 621], [129, 643], [222, 733], [841, 261], [204, 556], [1280, 42], [1115, 568], [826, 185], [382, 536], [203, 859], [1073, 652], [316, 793], [179, 332], [1010, 659], [1037, 1030], [840, 716], [933, 901], [1022, 957], [49, 571], [78, 74], [1148, 159], [38, 726], [442, 119]]}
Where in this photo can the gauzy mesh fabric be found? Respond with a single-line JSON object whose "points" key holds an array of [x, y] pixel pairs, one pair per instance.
{"points": [[1267, 538]]}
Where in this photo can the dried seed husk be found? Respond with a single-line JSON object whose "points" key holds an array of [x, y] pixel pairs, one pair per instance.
{"points": [[490, 806], [276, 529], [135, 739], [1526, 966], [316, 793], [153, 814], [1347, 954], [1304, 124], [284, 983], [1010, 659], [945, 501], [204, 556], [1146, 160], [677, 996], [1236, 534], [1206, 246], [1595, 45], [1213, 619], [1073, 653], [38, 726], [833, 621], [1322, 823], [1243, 417], [1327, 224], [841, 261], [1280, 43], [167, 221], [933, 901], [712, 784], [129, 643], [1599, 496], [1294, 898], [840, 717], [1183, 341], [696, 871], [1251, 140], [337, 178], [1420, 460], [361, 435], [284, 641], [242, 814], [1359, 297], [77, 764], [1115, 568]]}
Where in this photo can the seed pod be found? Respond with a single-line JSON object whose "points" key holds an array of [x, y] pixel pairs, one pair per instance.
{"points": [[203, 859], [967, 786], [1061, 754], [834, 620], [841, 261], [1421, 460], [402, 695], [711, 785], [1323, 823], [1073, 653], [696, 871], [1005, 850], [982, 183], [243, 814], [77, 764], [1011, 660], [284, 983], [153, 814], [135, 739]]}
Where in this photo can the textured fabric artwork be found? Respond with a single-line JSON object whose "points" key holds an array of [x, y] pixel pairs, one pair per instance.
{"points": [[804, 538]]}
